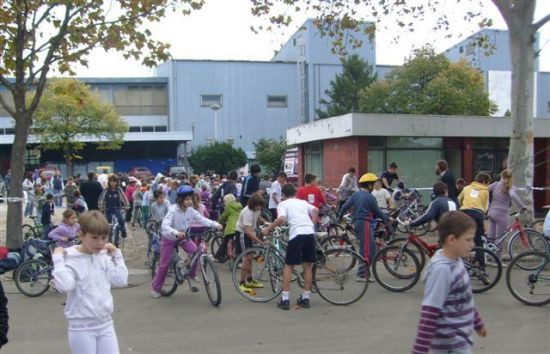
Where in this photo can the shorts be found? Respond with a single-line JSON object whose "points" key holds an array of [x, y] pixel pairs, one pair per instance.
{"points": [[243, 242], [301, 249]]}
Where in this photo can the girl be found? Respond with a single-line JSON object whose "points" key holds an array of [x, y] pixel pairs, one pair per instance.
{"points": [[112, 200], [138, 202], [28, 188], [67, 231], [502, 193], [147, 201], [197, 228], [79, 206], [174, 227], [229, 217], [86, 273]]}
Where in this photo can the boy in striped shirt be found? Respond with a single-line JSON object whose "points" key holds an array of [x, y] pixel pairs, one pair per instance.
{"points": [[449, 317]]}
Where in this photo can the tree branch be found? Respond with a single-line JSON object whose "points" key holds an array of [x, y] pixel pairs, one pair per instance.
{"points": [[537, 25], [5, 105], [503, 7]]}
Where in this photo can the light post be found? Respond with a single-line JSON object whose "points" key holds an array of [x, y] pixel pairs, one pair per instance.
{"points": [[216, 108]]}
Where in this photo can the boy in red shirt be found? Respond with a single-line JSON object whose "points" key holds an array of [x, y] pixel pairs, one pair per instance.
{"points": [[311, 193]]}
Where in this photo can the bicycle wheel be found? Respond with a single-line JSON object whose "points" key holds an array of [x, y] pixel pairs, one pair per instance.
{"points": [[170, 283], [528, 241], [215, 246], [211, 281], [486, 275], [530, 286], [335, 281], [396, 269], [538, 225], [32, 278], [29, 232], [266, 267], [416, 249]]}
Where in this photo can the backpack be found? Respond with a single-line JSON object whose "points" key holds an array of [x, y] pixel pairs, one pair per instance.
{"points": [[57, 184]]}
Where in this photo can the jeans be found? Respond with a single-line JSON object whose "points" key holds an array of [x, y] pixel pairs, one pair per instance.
{"points": [[57, 198], [367, 244], [29, 207], [166, 250], [45, 231], [118, 214]]}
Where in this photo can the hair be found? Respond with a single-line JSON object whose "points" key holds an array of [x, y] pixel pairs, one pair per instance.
{"points": [[506, 175], [351, 169], [440, 188], [393, 165], [157, 194], [442, 165], [229, 198], [483, 177], [255, 169], [91, 175], [256, 199], [196, 200], [113, 178], [204, 187], [77, 193], [288, 190], [281, 174], [460, 181], [309, 178], [401, 185], [49, 196], [94, 222], [70, 179], [454, 223], [68, 213]]}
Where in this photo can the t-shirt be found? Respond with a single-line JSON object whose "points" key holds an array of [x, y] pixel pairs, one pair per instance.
{"points": [[312, 195], [247, 217], [297, 215], [275, 189], [390, 177], [382, 195]]}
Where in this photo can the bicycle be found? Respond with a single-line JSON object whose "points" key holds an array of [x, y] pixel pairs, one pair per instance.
{"points": [[538, 224], [180, 268], [399, 262], [116, 233], [528, 278], [231, 249], [32, 231], [32, 277], [334, 272]]}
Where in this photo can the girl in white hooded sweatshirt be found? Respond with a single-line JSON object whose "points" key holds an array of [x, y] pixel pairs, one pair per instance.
{"points": [[86, 274]]}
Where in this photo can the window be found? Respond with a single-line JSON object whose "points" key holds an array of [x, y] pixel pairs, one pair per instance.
{"points": [[134, 129], [147, 129], [277, 101], [461, 49], [32, 157], [161, 128], [548, 108], [137, 100], [470, 49], [302, 49], [10, 131], [209, 100]]}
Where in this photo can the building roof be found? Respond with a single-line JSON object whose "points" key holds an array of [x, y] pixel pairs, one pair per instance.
{"points": [[363, 124]]}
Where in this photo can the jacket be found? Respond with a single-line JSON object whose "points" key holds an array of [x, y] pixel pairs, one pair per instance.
{"points": [[179, 220], [450, 181], [226, 188], [229, 217], [64, 230], [87, 280], [91, 190], [107, 199], [436, 209], [475, 196], [363, 204]]}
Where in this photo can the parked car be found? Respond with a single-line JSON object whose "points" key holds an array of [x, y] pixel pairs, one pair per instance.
{"points": [[99, 169], [175, 171], [140, 172]]}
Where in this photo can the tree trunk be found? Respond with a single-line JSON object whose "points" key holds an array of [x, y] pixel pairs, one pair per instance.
{"points": [[14, 219], [69, 164], [521, 153]]}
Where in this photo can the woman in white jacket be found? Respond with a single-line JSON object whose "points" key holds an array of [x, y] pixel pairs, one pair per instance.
{"points": [[86, 274]]}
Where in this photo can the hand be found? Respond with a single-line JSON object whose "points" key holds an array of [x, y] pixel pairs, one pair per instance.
{"points": [[59, 250], [482, 332], [181, 235], [109, 247], [219, 226], [265, 232], [65, 239]]}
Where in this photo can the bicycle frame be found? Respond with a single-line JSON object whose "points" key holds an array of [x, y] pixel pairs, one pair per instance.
{"points": [[515, 227]]}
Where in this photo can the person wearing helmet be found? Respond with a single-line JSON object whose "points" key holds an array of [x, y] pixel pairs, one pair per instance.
{"points": [[364, 207], [174, 231]]}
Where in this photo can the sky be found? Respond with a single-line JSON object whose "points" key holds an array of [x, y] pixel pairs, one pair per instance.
{"points": [[221, 30]]}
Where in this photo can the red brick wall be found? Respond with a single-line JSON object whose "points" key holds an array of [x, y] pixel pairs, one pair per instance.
{"points": [[542, 172], [468, 160], [341, 154]]}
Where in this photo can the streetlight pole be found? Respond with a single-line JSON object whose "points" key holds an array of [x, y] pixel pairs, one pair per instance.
{"points": [[215, 108]]}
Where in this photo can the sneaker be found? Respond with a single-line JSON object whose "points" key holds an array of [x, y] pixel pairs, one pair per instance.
{"points": [[283, 304], [246, 289], [124, 235], [155, 294], [361, 279], [254, 284], [304, 303]]}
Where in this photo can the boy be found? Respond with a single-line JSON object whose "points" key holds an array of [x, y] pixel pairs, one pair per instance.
{"points": [[275, 194], [438, 207], [301, 242], [251, 184], [160, 207], [448, 316], [311, 193], [46, 217], [69, 192], [389, 176], [383, 197]]}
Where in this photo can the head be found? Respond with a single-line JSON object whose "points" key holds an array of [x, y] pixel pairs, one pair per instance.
{"points": [[460, 183], [232, 175], [255, 170], [367, 181], [159, 197], [70, 181], [441, 166], [483, 178], [184, 197], [506, 178], [69, 217], [351, 171], [401, 185], [91, 176], [310, 179], [378, 184], [49, 198], [77, 193], [113, 181], [456, 233], [174, 184], [440, 189], [229, 198], [281, 177], [94, 230], [256, 202], [193, 180], [392, 168], [288, 191]]}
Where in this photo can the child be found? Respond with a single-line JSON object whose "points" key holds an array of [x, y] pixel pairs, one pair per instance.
{"points": [[160, 207], [230, 215], [174, 227], [46, 216], [147, 200], [383, 197], [111, 202], [206, 197], [448, 316], [67, 231], [79, 206], [245, 236], [38, 197], [301, 242], [138, 202], [69, 190], [86, 273]]}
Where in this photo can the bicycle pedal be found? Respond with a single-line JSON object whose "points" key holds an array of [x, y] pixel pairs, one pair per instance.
{"points": [[194, 289]]}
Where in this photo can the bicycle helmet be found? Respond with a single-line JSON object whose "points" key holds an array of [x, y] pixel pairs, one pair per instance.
{"points": [[184, 191], [368, 178]]}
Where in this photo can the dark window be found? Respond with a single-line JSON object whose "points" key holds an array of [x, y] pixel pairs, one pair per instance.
{"points": [[210, 100], [147, 129], [134, 129], [277, 101], [10, 131], [161, 128], [548, 108], [461, 49]]}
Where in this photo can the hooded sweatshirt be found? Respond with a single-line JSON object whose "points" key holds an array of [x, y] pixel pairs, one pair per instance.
{"points": [[179, 220], [449, 316], [64, 230], [475, 196], [230, 216], [87, 281]]}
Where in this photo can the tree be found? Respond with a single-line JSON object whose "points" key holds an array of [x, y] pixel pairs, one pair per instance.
{"points": [[69, 110], [269, 153], [218, 157], [345, 88], [341, 19], [37, 37], [428, 83]]}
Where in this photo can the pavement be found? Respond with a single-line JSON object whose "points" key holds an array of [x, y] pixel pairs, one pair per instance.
{"points": [[380, 323]]}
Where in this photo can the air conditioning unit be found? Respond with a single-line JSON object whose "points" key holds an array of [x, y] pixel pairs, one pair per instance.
{"points": [[230, 141]]}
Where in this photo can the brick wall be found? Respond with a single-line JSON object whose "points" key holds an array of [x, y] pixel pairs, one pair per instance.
{"points": [[341, 154]]}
